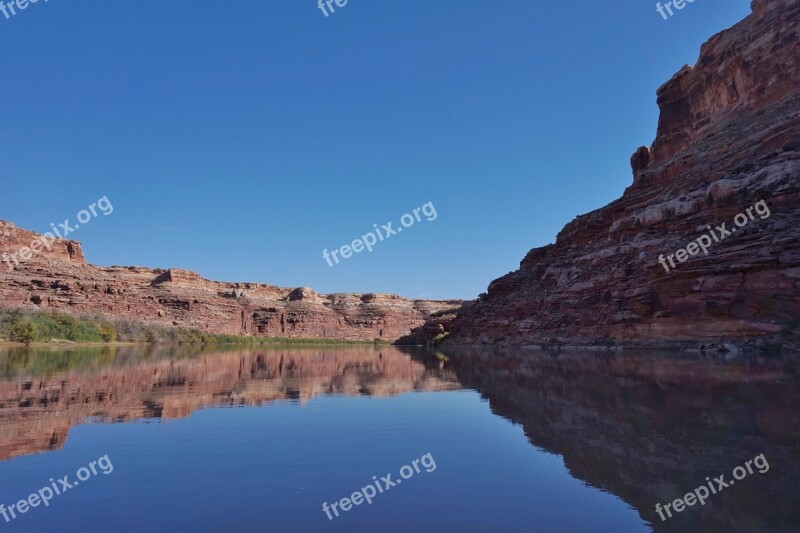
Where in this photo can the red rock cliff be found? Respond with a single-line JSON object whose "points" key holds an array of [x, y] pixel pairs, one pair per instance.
{"points": [[728, 137], [59, 278]]}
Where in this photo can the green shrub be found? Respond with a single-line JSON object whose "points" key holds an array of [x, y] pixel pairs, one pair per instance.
{"points": [[25, 325], [23, 331], [108, 332], [55, 325]]}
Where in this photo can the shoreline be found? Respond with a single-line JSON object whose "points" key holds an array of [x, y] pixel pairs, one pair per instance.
{"points": [[272, 341]]}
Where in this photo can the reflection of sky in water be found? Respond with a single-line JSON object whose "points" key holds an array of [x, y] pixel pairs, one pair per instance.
{"points": [[359, 412], [271, 468]]}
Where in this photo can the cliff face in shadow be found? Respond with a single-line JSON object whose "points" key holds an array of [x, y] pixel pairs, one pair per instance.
{"points": [[651, 429], [42, 395], [728, 138]]}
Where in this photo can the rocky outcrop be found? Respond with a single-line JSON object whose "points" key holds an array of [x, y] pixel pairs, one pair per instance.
{"points": [[59, 278], [750, 67], [37, 411], [728, 137], [49, 250]]}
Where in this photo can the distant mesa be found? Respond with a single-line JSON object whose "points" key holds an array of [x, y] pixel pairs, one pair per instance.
{"points": [[61, 279]]}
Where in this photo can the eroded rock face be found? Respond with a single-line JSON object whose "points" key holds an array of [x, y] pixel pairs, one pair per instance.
{"points": [[60, 278], [640, 160], [14, 239], [749, 67], [728, 137]]}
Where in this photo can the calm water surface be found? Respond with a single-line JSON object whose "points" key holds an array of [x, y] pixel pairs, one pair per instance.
{"points": [[518, 441]]}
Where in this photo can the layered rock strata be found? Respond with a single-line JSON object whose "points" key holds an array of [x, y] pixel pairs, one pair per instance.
{"points": [[728, 137], [59, 278]]}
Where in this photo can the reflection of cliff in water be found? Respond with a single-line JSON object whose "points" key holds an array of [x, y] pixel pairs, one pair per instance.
{"points": [[44, 393], [650, 429]]}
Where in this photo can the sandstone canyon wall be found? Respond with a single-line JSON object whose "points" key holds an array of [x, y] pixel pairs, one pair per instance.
{"points": [[728, 136], [61, 279]]}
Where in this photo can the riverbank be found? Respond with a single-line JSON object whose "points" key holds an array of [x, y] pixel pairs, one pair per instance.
{"points": [[24, 327]]}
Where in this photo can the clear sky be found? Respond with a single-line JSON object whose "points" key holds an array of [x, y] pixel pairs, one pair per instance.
{"points": [[240, 139]]}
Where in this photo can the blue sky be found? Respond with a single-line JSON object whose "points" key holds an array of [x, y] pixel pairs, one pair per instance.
{"points": [[240, 139]]}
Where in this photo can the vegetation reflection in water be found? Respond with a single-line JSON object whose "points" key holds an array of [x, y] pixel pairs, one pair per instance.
{"points": [[642, 427]]}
